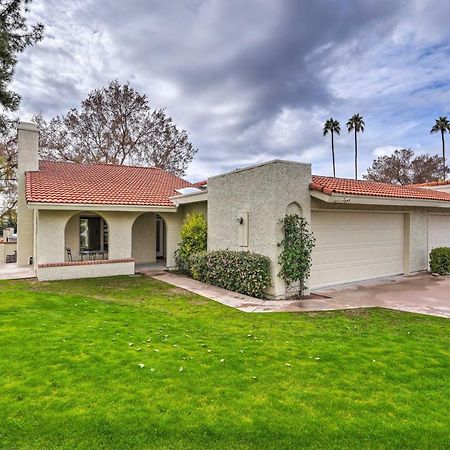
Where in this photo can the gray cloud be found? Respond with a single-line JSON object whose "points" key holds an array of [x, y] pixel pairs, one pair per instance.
{"points": [[252, 80]]}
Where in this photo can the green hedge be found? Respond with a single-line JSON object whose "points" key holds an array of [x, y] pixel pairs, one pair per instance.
{"points": [[440, 260], [244, 272]]}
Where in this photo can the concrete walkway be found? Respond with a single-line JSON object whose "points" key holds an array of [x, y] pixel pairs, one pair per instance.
{"points": [[13, 272], [419, 294]]}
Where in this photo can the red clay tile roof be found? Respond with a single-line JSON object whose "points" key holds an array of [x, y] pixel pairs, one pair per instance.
{"points": [[200, 184], [329, 185], [101, 184], [431, 183]]}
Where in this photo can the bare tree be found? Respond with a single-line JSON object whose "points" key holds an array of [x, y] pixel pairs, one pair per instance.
{"points": [[403, 167], [116, 125]]}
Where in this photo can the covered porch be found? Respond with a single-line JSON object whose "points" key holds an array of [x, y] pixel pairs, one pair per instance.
{"points": [[95, 242]]}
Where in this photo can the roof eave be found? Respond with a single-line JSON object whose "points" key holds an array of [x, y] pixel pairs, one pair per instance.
{"points": [[99, 207], [190, 198], [378, 200]]}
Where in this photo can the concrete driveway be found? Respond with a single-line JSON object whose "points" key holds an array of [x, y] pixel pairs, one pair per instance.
{"points": [[423, 294]]}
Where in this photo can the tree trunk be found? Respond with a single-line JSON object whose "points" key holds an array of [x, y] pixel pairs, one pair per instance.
{"points": [[443, 154], [356, 156], [332, 151]]}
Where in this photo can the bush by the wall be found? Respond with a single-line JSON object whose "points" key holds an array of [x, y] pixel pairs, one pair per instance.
{"points": [[239, 271], [198, 266], [194, 236], [440, 260]]}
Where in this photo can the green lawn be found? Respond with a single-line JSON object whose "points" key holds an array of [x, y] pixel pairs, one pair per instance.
{"points": [[213, 377]]}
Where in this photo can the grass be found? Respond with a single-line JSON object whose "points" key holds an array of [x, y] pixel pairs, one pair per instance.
{"points": [[213, 377]]}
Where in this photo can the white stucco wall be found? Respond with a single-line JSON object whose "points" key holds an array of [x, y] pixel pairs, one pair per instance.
{"points": [[84, 271], [72, 235], [264, 192], [144, 238]]}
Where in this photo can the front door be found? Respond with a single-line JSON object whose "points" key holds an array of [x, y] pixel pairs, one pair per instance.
{"points": [[159, 237]]}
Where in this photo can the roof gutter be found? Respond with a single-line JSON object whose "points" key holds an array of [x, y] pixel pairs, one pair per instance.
{"points": [[382, 201]]}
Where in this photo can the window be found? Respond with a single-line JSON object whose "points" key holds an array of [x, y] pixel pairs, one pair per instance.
{"points": [[93, 234]]}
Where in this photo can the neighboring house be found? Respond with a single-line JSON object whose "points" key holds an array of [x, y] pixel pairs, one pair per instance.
{"points": [[112, 217], [443, 186], [8, 246]]}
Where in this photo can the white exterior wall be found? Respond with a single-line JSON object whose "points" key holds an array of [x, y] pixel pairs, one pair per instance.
{"points": [[266, 193], [28, 136], [144, 238], [418, 240], [70, 272], [72, 235]]}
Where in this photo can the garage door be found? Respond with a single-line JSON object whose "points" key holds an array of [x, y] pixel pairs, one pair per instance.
{"points": [[354, 246], [438, 231]]}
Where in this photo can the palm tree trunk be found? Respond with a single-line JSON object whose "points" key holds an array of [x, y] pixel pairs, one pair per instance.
{"points": [[356, 157], [443, 154], [332, 152]]}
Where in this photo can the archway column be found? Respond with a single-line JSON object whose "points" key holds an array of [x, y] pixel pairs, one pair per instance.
{"points": [[120, 226], [173, 224], [50, 236], [144, 238]]}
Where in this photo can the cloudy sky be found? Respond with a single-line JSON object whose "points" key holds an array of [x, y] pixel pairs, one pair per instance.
{"points": [[254, 80]]}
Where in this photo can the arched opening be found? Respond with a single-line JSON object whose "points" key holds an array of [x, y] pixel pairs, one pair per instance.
{"points": [[294, 208], [86, 237], [148, 239]]}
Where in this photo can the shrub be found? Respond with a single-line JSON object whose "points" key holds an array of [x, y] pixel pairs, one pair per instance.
{"points": [[194, 236], [198, 266], [295, 256], [440, 260], [239, 271]]}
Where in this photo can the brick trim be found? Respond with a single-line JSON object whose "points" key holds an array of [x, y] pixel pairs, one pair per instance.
{"points": [[86, 263]]}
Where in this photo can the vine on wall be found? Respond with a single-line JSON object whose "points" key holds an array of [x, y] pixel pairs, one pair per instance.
{"points": [[295, 257]]}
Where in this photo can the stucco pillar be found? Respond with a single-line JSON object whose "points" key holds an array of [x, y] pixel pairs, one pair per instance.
{"points": [[27, 150], [120, 225], [173, 222], [51, 236], [144, 238]]}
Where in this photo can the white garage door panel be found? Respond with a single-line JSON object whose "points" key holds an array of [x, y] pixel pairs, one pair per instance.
{"points": [[352, 246], [438, 231]]}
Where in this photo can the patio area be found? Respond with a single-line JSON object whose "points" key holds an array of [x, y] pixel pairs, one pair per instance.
{"points": [[13, 272]]}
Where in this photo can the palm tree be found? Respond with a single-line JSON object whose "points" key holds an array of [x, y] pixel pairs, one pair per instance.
{"points": [[332, 126], [356, 124], [442, 125]]}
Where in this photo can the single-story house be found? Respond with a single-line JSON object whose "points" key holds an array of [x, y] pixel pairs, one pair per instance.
{"points": [[87, 220]]}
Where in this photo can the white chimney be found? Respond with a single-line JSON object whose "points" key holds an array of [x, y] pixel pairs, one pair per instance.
{"points": [[27, 153]]}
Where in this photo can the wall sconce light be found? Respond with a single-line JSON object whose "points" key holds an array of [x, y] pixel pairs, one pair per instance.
{"points": [[240, 220]]}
